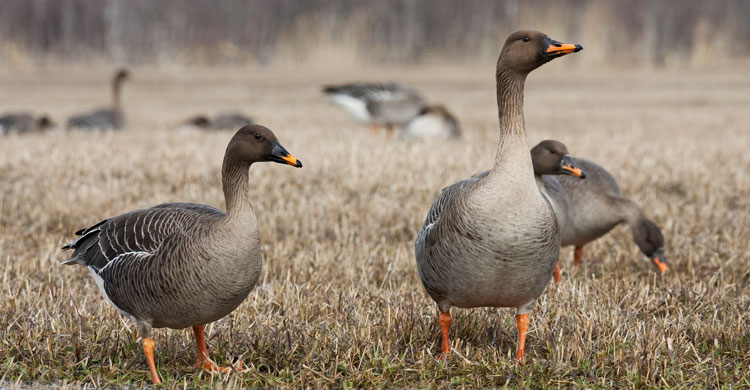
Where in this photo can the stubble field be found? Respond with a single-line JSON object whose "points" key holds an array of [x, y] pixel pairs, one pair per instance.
{"points": [[339, 302]]}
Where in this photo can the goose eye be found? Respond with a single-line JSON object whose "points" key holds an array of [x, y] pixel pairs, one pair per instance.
{"points": [[258, 136], [526, 39], [552, 151]]}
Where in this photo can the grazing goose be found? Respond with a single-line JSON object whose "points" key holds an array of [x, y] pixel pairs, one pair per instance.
{"points": [[24, 123], [434, 122], [183, 264], [107, 117], [597, 206], [222, 121], [385, 104], [494, 241]]}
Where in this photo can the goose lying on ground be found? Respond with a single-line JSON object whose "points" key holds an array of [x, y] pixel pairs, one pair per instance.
{"points": [[378, 104], [183, 264], [107, 117], [24, 123], [494, 241], [434, 122], [228, 120], [597, 206]]}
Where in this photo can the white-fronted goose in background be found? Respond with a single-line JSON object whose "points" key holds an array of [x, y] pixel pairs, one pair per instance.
{"points": [[24, 123], [434, 122], [494, 241], [597, 206], [183, 264], [378, 104], [105, 118], [228, 120]]}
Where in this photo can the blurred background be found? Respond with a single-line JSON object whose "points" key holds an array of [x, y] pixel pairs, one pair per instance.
{"points": [[356, 32]]}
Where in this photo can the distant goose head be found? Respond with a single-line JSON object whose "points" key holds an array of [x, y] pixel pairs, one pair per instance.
{"points": [[43, 123], [551, 157], [254, 143], [121, 75], [527, 50], [649, 239], [199, 121]]}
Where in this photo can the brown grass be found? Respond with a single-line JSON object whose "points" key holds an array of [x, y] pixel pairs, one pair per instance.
{"points": [[340, 302]]}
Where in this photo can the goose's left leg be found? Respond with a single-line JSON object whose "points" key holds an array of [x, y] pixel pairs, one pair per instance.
{"points": [[556, 272], [577, 255], [202, 360], [149, 346], [522, 323]]}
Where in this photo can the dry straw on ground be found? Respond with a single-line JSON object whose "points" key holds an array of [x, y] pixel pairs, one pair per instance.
{"points": [[339, 302]]}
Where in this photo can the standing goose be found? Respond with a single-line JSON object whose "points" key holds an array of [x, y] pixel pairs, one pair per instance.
{"points": [[107, 117], [494, 241], [183, 264], [385, 104], [597, 206], [225, 120]]}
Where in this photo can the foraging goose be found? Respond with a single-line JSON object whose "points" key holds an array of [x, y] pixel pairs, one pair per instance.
{"points": [[385, 104], [107, 117], [494, 241], [549, 158], [597, 206], [434, 122], [183, 264], [24, 123], [222, 121]]}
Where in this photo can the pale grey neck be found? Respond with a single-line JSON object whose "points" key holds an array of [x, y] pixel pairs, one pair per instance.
{"points": [[236, 184], [510, 85]]}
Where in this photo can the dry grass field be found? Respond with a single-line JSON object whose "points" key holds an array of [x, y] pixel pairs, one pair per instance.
{"points": [[339, 302]]}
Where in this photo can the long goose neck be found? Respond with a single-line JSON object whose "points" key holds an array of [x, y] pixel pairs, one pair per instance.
{"points": [[510, 85], [116, 87], [236, 183]]}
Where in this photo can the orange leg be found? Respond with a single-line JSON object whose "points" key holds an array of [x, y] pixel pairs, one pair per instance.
{"points": [[577, 254], [389, 130], [522, 322], [556, 273], [148, 349], [445, 326], [663, 267], [202, 360], [373, 128]]}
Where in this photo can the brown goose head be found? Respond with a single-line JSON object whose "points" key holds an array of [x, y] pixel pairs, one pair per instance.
{"points": [[527, 50], [649, 239], [551, 158], [254, 143], [201, 121], [121, 75], [43, 123]]}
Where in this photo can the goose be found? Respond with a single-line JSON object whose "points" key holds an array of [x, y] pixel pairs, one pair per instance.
{"points": [[177, 265], [388, 104], [494, 241], [434, 122], [549, 158], [24, 123], [107, 117], [228, 120], [597, 206]]}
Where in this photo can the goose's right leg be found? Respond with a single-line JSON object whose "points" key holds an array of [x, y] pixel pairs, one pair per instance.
{"points": [[202, 360], [445, 327], [577, 255], [149, 346], [373, 128], [556, 272]]}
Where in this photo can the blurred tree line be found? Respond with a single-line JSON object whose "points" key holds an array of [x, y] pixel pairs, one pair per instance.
{"points": [[629, 32]]}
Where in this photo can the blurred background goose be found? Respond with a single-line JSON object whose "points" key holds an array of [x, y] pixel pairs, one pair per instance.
{"points": [[379, 104], [597, 206], [183, 264], [226, 120], [105, 118], [494, 241], [24, 123], [434, 122]]}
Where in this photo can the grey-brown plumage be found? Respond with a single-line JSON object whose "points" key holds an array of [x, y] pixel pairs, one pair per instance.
{"points": [[494, 241], [228, 120], [597, 206], [182, 264], [386, 104], [24, 123], [105, 118]]}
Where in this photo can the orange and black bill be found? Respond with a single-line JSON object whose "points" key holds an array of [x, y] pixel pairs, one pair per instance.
{"points": [[660, 261], [557, 49], [567, 167], [281, 156]]}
